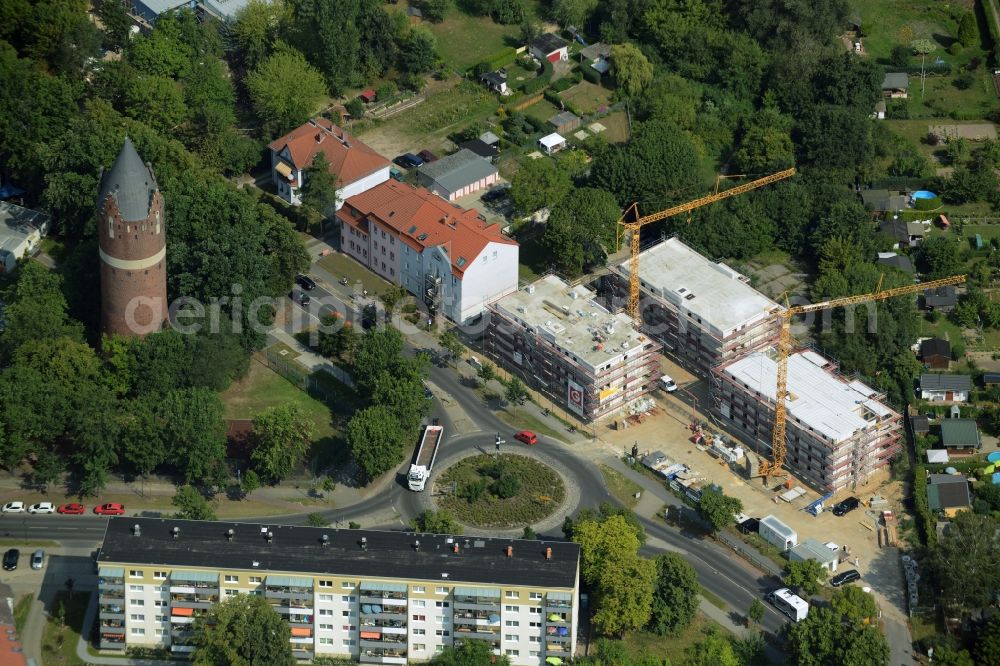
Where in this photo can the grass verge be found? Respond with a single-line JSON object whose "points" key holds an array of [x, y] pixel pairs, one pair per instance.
{"points": [[524, 421], [540, 491], [651, 648], [21, 609], [713, 599], [59, 639], [622, 487]]}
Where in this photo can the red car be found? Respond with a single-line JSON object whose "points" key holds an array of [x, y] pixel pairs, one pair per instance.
{"points": [[110, 509], [527, 437], [72, 509]]}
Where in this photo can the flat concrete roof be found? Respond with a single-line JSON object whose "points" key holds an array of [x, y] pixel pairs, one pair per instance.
{"points": [[570, 318], [712, 292], [817, 397], [778, 527]]}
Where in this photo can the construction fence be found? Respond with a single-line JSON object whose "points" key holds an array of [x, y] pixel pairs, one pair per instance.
{"points": [[326, 384]]}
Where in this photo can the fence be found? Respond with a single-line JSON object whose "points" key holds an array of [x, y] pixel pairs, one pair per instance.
{"points": [[321, 384], [749, 554]]}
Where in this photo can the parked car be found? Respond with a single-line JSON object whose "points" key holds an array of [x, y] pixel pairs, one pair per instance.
{"points": [[13, 507], [305, 282], [110, 509], [10, 559], [304, 299], [427, 156], [667, 384], [42, 507], [846, 506], [527, 437], [408, 161], [845, 577], [38, 559], [495, 194], [396, 174], [72, 509]]}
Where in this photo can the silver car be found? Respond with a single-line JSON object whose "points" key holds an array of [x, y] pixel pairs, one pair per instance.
{"points": [[38, 559]]}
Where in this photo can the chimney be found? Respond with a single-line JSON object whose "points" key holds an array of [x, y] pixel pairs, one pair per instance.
{"points": [[325, 540], [455, 549], [364, 543], [229, 534], [176, 531], [136, 531], [319, 137], [510, 551], [548, 553], [416, 544], [269, 536]]}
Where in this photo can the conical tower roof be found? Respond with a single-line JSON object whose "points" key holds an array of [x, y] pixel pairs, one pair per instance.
{"points": [[130, 182]]}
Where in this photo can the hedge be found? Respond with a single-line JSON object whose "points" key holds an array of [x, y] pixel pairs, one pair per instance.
{"points": [[930, 68], [933, 203], [539, 82], [560, 103], [499, 59], [925, 521], [562, 84], [591, 74]]}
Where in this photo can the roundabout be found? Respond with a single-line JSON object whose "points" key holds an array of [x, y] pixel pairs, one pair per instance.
{"points": [[506, 492]]}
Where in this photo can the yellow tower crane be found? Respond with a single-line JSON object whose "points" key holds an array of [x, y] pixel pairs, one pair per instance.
{"points": [[769, 468], [638, 222]]}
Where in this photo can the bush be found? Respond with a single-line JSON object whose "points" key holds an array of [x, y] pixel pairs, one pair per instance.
{"points": [[955, 48], [562, 84], [537, 124], [356, 108], [497, 60], [965, 80], [928, 204], [900, 55], [898, 110], [474, 490], [386, 91], [591, 74], [925, 520], [540, 81], [958, 351], [507, 486]]}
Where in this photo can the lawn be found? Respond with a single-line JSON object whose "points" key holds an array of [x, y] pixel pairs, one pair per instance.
{"points": [[464, 40], [542, 110], [886, 23], [946, 329], [21, 609], [340, 265], [587, 97], [657, 649], [59, 640], [537, 493], [524, 421], [622, 487], [617, 127]]}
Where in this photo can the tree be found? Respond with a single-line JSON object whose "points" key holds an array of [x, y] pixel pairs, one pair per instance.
{"points": [[631, 68], [156, 100], [249, 482], [538, 184], [516, 392], [451, 344], [507, 486], [194, 431], [36, 310], [284, 91], [676, 595], [939, 256], [825, 638], [436, 522], [987, 648], [581, 230], [573, 12], [471, 653], [317, 520], [487, 372], [717, 508], [242, 631], [116, 22], [282, 435], [805, 575], [376, 439], [624, 595], [319, 188], [766, 144], [380, 351], [756, 611], [419, 51], [900, 55], [191, 504], [968, 30], [713, 650], [855, 605], [603, 543], [392, 295], [962, 560], [255, 29], [434, 10], [529, 533]]}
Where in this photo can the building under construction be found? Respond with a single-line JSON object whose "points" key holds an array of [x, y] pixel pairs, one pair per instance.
{"points": [[561, 341], [838, 431], [704, 313]]}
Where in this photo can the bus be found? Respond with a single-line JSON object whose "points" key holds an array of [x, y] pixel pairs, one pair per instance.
{"points": [[795, 607]]}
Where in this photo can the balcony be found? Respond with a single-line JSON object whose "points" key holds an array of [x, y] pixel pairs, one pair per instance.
{"points": [[112, 612], [112, 640], [477, 633], [378, 656], [288, 592], [191, 601], [180, 648], [115, 599], [111, 625], [372, 597], [287, 606]]}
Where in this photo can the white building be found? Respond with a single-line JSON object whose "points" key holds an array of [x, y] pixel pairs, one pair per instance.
{"points": [[21, 230], [358, 168], [828, 555], [777, 533], [549, 46], [937, 387], [444, 254], [552, 143]]}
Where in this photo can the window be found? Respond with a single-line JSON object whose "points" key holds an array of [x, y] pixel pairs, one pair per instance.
{"points": [[534, 639], [419, 618], [136, 617], [230, 593], [257, 579], [346, 613], [329, 597], [535, 653], [438, 649], [134, 573], [349, 627], [442, 632], [419, 589], [111, 227], [440, 590], [160, 575], [418, 603], [348, 599], [510, 609], [137, 631], [160, 603], [326, 583], [419, 647], [325, 611], [512, 623], [534, 595], [326, 627], [232, 579], [419, 632], [535, 624], [511, 638], [161, 588], [135, 588], [160, 618], [441, 604], [535, 610], [347, 642], [136, 602], [347, 585], [161, 632], [511, 594], [512, 653], [326, 641]]}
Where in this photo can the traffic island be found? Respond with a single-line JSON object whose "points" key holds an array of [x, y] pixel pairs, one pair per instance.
{"points": [[502, 492]]}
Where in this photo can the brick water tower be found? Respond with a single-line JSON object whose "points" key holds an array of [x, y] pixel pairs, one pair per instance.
{"points": [[133, 247]]}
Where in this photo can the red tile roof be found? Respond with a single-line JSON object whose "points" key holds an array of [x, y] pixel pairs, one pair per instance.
{"points": [[11, 648], [422, 219], [349, 158], [367, 95]]}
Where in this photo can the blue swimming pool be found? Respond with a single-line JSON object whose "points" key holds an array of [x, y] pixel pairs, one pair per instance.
{"points": [[923, 194]]}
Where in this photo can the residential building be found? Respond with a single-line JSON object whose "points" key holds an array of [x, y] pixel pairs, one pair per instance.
{"points": [[367, 95], [828, 556], [457, 175], [443, 254], [374, 596], [565, 122], [496, 81], [948, 493], [704, 313], [991, 379], [777, 533], [893, 260], [960, 434], [939, 387], [358, 168], [904, 234], [561, 341], [549, 46], [838, 432], [147, 11], [895, 85], [883, 200], [552, 143], [935, 353], [21, 231], [942, 299]]}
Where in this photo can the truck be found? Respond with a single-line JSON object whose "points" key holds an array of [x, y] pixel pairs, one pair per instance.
{"points": [[423, 459]]}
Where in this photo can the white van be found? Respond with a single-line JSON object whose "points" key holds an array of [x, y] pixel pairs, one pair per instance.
{"points": [[667, 384]]}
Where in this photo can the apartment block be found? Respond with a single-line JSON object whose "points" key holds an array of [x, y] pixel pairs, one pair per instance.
{"points": [[704, 313], [561, 341], [449, 257], [378, 597], [839, 432]]}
